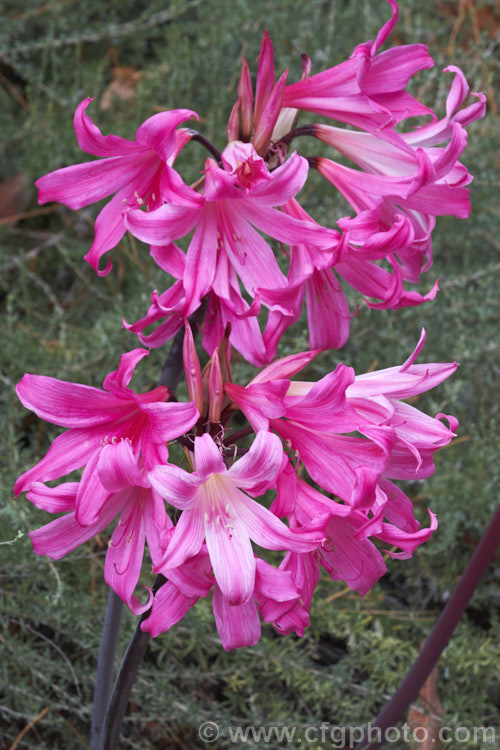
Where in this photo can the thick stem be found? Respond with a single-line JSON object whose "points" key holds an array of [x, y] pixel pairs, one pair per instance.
{"points": [[105, 663], [409, 689], [126, 677]]}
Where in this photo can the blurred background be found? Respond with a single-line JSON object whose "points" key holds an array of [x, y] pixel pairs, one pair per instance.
{"points": [[58, 318]]}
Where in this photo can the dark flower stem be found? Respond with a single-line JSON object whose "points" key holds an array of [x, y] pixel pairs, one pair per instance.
{"points": [[235, 436], [105, 664], [409, 689], [303, 130], [195, 136], [124, 682]]}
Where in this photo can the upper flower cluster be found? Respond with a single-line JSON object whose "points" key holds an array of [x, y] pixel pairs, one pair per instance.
{"points": [[401, 179]]}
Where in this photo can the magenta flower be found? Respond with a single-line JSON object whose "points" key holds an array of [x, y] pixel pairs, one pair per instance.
{"points": [[368, 90], [133, 171], [225, 246], [216, 510], [317, 420], [274, 595], [98, 418], [142, 512]]}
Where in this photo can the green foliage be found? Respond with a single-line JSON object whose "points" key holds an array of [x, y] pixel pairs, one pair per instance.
{"points": [[61, 320]]}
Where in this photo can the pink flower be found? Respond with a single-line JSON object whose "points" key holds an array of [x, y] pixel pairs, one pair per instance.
{"points": [[133, 171], [216, 510], [96, 420], [317, 420], [367, 90], [225, 246], [143, 517], [274, 595]]}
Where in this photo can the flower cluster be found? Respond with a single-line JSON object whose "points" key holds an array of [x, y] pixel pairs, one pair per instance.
{"points": [[314, 473]]}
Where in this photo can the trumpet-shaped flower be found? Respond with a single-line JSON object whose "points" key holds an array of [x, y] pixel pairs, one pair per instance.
{"points": [[238, 198], [132, 171], [275, 595], [218, 512], [143, 518], [97, 418]]}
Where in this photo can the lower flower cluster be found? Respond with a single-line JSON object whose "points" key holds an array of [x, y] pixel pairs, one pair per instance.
{"points": [[314, 475]]}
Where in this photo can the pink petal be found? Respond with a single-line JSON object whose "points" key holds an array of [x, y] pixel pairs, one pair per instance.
{"points": [[117, 467], [53, 499], [286, 367], [116, 382], [201, 260], [185, 542], [232, 559], [176, 485], [327, 311], [91, 495], [392, 70], [287, 180], [169, 607], [260, 402], [207, 456], [82, 184], [346, 558], [64, 534], [169, 420], [68, 404], [325, 406], [260, 464], [158, 132], [163, 225], [91, 140], [238, 625], [124, 556], [68, 452], [266, 530]]}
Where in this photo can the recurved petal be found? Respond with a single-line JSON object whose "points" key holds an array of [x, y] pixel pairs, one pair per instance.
{"points": [[261, 464], [175, 485], [91, 140], [116, 382], [117, 467], [158, 131], [109, 230], [53, 499]]}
